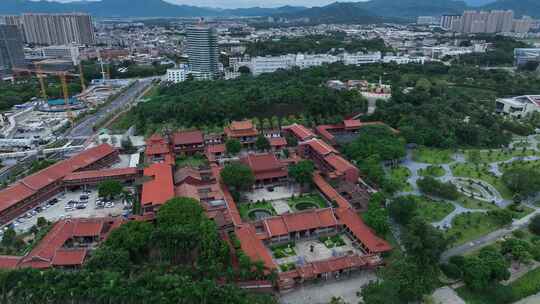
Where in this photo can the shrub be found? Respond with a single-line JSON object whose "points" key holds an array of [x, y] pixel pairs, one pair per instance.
{"points": [[451, 270]]}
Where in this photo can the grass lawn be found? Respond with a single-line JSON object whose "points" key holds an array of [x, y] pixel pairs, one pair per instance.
{"points": [[481, 172], [432, 156], [191, 161], [527, 285], [244, 208], [497, 155], [469, 226], [470, 203], [433, 171], [283, 251], [533, 164], [433, 211], [400, 175], [308, 198], [524, 212], [521, 144]]}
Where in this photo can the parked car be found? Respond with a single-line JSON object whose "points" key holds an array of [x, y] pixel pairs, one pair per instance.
{"points": [[109, 205], [84, 197], [53, 201]]}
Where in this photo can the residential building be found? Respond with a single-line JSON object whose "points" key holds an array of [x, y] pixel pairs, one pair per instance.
{"points": [[495, 21], [58, 29], [178, 75], [158, 150], [449, 22], [518, 107], [202, 49], [11, 49], [361, 58], [427, 20], [522, 25]]}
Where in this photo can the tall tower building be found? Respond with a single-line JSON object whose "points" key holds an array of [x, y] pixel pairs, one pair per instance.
{"points": [[202, 49], [11, 49], [467, 21], [58, 29], [507, 22], [449, 22]]}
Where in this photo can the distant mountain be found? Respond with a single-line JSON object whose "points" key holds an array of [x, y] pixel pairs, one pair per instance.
{"points": [[478, 2], [338, 12], [520, 7], [134, 8], [413, 8]]}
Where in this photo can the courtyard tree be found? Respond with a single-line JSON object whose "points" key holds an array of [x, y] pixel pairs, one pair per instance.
{"points": [[376, 216], [262, 143], [302, 172], [483, 270], [402, 209], [109, 189], [237, 176], [534, 225], [233, 146]]}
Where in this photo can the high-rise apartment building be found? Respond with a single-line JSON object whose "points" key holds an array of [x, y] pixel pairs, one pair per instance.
{"points": [[11, 49], [58, 29], [496, 21], [202, 49], [449, 22]]}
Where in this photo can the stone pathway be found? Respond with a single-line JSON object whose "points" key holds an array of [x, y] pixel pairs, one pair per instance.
{"points": [[459, 158]]}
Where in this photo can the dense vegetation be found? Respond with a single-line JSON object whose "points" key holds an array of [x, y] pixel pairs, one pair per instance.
{"points": [[177, 260], [502, 53], [315, 44], [453, 108]]}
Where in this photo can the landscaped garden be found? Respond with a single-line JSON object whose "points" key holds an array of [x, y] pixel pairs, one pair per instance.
{"points": [[251, 211], [399, 176], [498, 155], [307, 201], [433, 171], [432, 156], [433, 211], [191, 161], [283, 251], [470, 226], [287, 267], [481, 172], [332, 241]]}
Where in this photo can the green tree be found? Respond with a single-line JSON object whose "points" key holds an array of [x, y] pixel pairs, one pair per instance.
{"points": [[381, 293], [109, 189], [424, 242], [262, 143], [402, 209], [376, 216], [534, 225], [233, 146], [302, 172], [522, 181], [237, 176]]}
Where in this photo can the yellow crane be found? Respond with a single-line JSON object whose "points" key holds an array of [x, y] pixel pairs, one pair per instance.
{"points": [[40, 77], [63, 81]]}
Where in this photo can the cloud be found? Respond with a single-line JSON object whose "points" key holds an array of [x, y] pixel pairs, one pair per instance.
{"points": [[252, 3]]}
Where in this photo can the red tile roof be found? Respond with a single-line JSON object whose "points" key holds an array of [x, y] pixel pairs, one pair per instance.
{"points": [[35, 182], [361, 231], [241, 125], [323, 131], [263, 162], [216, 148], [339, 163], [352, 123], [50, 252], [84, 175], [328, 191], [320, 147], [302, 133], [241, 128], [69, 257], [9, 262], [278, 142], [161, 188], [299, 221], [253, 247], [188, 138]]}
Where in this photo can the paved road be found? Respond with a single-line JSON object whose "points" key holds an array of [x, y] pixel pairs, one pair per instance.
{"points": [[85, 127], [488, 238]]}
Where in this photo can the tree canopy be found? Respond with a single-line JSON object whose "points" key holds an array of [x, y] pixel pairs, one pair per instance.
{"points": [[237, 176]]}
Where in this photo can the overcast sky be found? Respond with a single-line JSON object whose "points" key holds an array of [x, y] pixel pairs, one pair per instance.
{"points": [[249, 3]]}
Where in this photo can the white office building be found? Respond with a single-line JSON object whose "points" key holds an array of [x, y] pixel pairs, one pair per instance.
{"points": [[178, 75], [518, 107], [361, 58]]}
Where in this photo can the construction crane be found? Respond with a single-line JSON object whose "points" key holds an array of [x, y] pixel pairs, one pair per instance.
{"points": [[40, 77], [81, 76], [63, 81]]}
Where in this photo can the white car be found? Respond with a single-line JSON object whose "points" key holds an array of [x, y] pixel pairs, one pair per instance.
{"points": [[109, 205]]}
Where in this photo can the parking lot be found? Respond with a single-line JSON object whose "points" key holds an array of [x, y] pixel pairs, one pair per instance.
{"points": [[59, 211]]}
